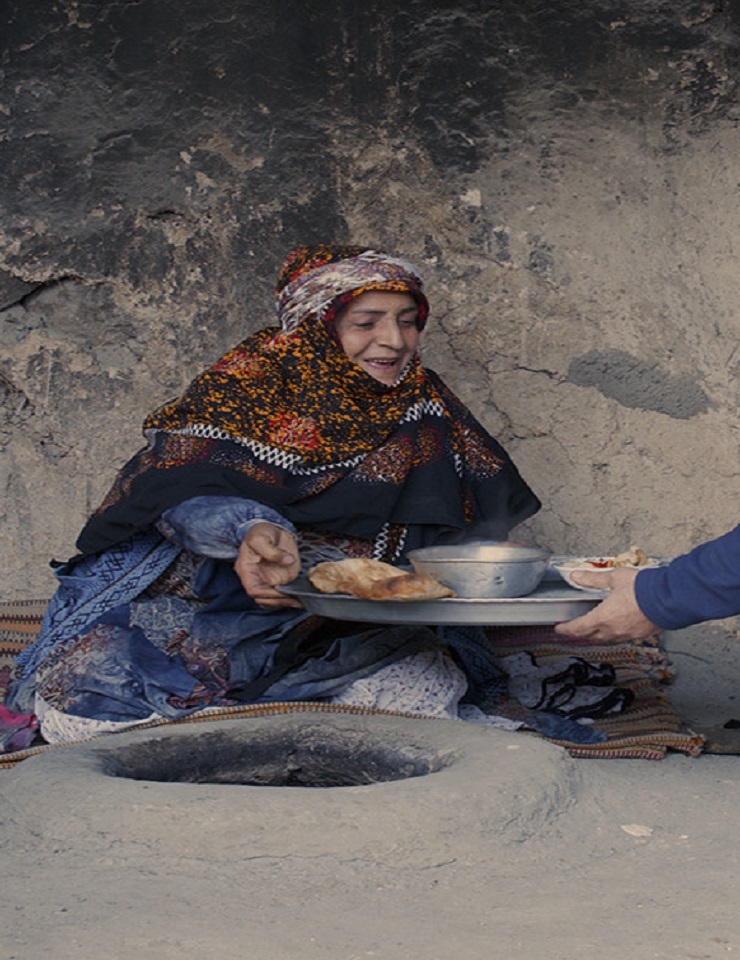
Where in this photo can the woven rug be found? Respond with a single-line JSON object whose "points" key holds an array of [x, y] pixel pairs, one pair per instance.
{"points": [[647, 729], [650, 726], [20, 622]]}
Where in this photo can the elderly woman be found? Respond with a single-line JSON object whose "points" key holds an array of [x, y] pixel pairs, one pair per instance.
{"points": [[321, 438]]}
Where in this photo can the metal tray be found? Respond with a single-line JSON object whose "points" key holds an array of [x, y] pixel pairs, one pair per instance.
{"points": [[549, 603]]}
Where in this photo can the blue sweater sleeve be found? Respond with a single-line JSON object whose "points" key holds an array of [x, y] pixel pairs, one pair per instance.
{"points": [[215, 526], [701, 585]]}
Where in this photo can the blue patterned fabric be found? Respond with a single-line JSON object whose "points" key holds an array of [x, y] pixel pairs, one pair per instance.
{"points": [[113, 672], [92, 585], [114, 647], [215, 526]]}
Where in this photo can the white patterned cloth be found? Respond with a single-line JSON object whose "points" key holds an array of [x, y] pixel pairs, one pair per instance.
{"points": [[428, 683], [58, 727]]}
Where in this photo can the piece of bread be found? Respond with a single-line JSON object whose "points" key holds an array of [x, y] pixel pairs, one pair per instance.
{"points": [[634, 557], [337, 576], [374, 580], [407, 586]]}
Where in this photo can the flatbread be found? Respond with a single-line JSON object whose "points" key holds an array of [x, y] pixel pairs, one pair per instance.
{"points": [[375, 580]]}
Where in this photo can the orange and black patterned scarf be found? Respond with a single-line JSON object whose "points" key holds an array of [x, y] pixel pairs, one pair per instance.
{"points": [[287, 419]]}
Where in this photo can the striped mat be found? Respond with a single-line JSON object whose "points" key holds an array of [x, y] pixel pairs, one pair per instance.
{"points": [[20, 621], [650, 726], [647, 729]]}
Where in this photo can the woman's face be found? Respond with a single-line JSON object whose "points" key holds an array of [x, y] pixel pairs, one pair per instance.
{"points": [[378, 331]]}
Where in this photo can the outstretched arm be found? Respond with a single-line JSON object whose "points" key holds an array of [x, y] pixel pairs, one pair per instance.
{"points": [[703, 584]]}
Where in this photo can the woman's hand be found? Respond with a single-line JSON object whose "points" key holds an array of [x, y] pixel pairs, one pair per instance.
{"points": [[268, 556], [617, 617]]}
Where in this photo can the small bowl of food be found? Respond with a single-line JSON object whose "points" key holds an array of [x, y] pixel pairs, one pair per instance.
{"points": [[633, 559], [488, 569]]}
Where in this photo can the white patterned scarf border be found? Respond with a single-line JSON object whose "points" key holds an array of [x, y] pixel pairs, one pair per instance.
{"points": [[311, 292]]}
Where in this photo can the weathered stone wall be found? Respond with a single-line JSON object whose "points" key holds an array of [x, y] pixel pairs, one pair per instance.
{"points": [[567, 173]]}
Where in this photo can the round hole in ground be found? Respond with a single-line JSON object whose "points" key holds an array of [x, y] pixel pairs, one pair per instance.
{"points": [[310, 756]]}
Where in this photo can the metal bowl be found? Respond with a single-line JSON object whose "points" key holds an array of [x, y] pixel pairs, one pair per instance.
{"points": [[483, 570]]}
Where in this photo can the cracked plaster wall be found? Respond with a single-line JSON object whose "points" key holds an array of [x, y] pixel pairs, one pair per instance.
{"points": [[566, 173]]}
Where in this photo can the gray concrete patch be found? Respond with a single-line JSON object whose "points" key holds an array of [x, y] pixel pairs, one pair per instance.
{"points": [[637, 383]]}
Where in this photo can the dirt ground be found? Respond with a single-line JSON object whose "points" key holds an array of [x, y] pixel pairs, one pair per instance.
{"points": [[512, 849]]}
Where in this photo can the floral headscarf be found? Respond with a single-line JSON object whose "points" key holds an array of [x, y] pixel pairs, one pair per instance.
{"points": [[288, 419], [313, 279]]}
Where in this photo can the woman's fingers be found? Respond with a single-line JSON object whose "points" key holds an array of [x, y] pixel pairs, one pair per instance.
{"points": [[268, 556], [272, 544]]}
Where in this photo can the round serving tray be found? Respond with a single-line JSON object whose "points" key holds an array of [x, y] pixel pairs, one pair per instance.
{"points": [[549, 603]]}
